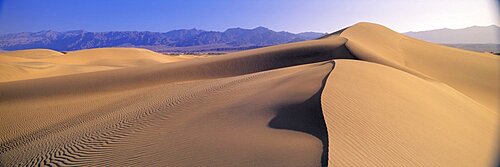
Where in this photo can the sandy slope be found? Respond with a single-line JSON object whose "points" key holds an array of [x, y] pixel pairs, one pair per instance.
{"points": [[41, 63], [472, 73], [226, 110], [33, 53], [436, 106], [287, 105], [379, 115]]}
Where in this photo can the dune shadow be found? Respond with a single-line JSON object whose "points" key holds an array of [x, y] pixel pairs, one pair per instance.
{"points": [[305, 117]]}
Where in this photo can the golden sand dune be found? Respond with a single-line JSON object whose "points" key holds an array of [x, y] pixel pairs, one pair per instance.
{"points": [[297, 104], [472, 73], [41, 63], [380, 115], [32, 53]]}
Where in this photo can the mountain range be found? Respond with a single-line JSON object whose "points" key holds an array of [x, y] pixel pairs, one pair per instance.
{"points": [[184, 40], [478, 38], [469, 35]]}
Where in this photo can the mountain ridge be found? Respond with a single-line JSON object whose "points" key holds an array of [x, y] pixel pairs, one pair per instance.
{"points": [[468, 35], [181, 40], [476, 38]]}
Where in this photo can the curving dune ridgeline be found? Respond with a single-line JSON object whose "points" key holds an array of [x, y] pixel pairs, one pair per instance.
{"points": [[363, 96]]}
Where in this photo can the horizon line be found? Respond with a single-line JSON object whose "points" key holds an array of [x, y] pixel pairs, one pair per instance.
{"points": [[412, 31]]}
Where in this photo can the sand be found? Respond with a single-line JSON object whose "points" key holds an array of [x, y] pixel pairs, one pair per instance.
{"points": [[42, 63], [472, 73], [369, 121], [364, 96]]}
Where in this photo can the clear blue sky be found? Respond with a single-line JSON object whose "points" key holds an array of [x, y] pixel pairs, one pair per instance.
{"points": [[281, 15]]}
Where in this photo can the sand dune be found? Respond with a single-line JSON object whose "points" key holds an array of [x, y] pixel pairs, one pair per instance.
{"points": [[200, 105], [33, 53], [380, 115], [397, 102], [472, 73], [41, 63]]}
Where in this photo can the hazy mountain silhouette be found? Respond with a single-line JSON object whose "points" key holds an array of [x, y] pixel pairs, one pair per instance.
{"points": [[176, 40], [469, 35]]}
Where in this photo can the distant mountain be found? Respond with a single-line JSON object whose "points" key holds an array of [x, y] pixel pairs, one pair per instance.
{"points": [[495, 48], [311, 35], [185, 40], [470, 35]]}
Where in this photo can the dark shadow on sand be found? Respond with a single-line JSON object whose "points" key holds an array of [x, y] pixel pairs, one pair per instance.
{"points": [[305, 117]]}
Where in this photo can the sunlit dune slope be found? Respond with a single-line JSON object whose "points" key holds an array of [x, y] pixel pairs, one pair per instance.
{"points": [[472, 73], [120, 57], [380, 115], [422, 104], [33, 53], [396, 102], [40, 63]]}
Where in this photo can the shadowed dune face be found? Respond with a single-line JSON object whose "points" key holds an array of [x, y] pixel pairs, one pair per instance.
{"points": [[400, 102], [305, 117]]}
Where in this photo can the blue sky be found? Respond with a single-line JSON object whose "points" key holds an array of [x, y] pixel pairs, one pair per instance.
{"points": [[281, 15]]}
